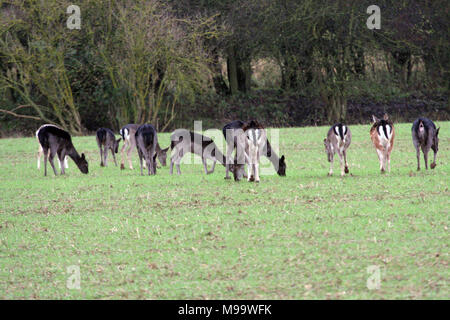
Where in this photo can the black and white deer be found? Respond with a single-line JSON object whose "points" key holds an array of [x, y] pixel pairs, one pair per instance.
{"points": [[425, 137], [146, 141], [106, 140], [253, 141], [55, 141], [184, 141], [129, 143], [230, 132], [41, 151], [337, 141]]}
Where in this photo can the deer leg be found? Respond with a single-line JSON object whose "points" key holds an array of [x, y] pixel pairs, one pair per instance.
{"points": [[66, 163], [178, 161], [122, 151], [418, 157], [330, 173], [114, 157], [425, 158], [205, 165], [425, 151], [388, 157], [152, 163], [381, 159], [212, 167], [140, 161], [101, 156], [50, 159], [129, 151], [172, 161], [40, 153], [341, 163], [256, 171], [345, 161], [61, 157], [45, 161], [178, 166], [148, 161], [433, 165], [105, 155], [230, 148]]}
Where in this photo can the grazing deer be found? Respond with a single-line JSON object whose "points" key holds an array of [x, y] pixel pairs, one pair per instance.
{"points": [[57, 141], [255, 139], [382, 134], [184, 141], [230, 132], [41, 151], [337, 141], [425, 136], [106, 140], [146, 141], [129, 141]]}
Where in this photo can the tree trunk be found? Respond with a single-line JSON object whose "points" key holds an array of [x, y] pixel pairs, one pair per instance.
{"points": [[244, 75], [232, 73], [336, 108], [219, 84], [402, 63]]}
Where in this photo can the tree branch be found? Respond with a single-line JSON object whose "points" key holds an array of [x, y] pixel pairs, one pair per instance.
{"points": [[19, 115]]}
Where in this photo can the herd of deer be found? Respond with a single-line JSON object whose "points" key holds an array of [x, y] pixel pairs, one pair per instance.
{"points": [[249, 139]]}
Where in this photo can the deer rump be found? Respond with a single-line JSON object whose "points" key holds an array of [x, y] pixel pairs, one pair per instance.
{"points": [[146, 140]]}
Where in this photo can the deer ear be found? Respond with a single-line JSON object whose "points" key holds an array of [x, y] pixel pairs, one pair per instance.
{"points": [[374, 119], [386, 117], [83, 157], [437, 131], [118, 140], [282, 157]]}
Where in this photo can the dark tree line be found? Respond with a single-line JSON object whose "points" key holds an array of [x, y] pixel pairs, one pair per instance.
{"points": [[143, 61]]}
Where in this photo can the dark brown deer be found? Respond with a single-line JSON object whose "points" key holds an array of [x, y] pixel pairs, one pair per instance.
{"points": [[41, 151], [55, 141], [106, 140], [425, 137], [146, 141], [129, 143]]}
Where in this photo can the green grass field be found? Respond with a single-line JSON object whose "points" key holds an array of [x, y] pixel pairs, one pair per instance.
{"points": [[304, 236]]}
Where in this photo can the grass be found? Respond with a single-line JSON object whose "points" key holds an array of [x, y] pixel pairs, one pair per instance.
{"points": [[304, 236]]}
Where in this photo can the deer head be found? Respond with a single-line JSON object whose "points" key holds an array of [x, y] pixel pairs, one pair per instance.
{"points": [[282, 166], [83, 164], [116, 145], [162, 156]]}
